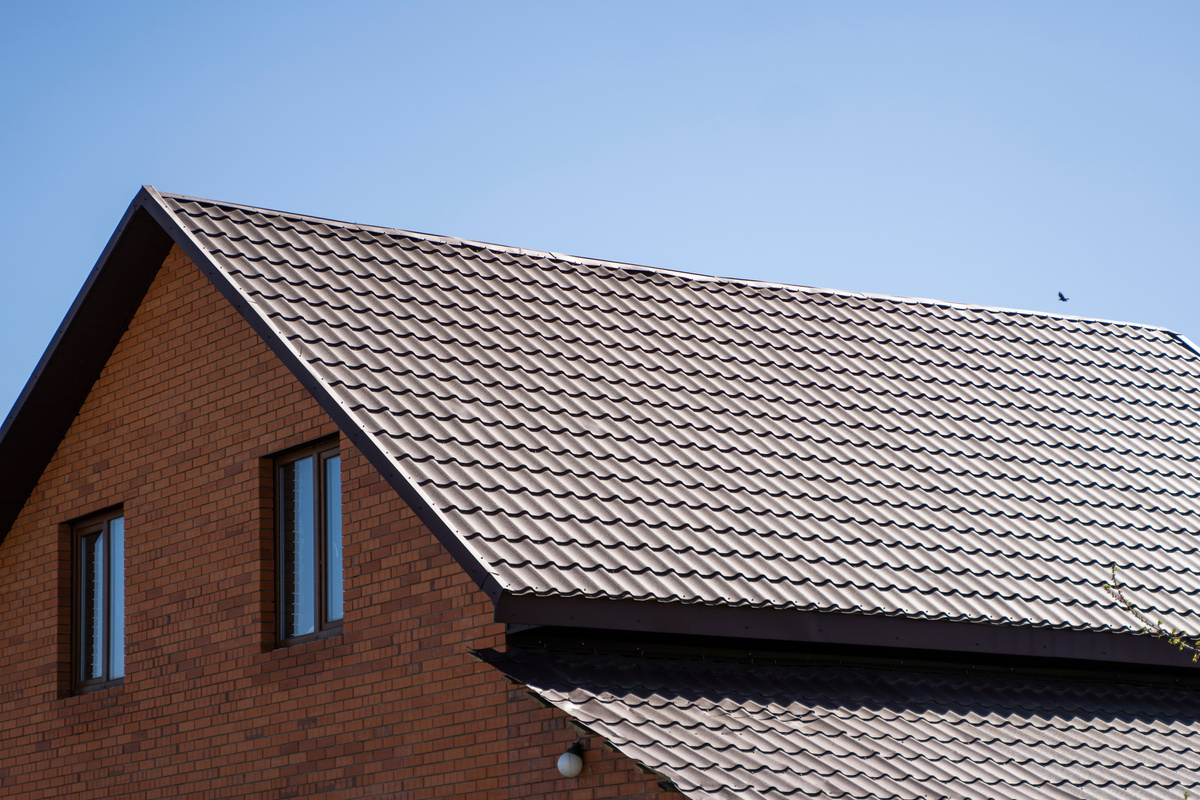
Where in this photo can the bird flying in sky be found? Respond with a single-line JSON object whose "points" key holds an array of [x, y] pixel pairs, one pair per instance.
{"points": [[1063, 297]]}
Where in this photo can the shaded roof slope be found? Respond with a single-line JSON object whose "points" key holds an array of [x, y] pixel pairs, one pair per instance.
{"points": [[741, 731]]}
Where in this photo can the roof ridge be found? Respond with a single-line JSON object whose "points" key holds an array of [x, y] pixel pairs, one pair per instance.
{"points": [[634, 267]]}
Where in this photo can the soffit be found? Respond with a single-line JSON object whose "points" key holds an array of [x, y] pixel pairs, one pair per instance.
{"points": [[75, 356]]}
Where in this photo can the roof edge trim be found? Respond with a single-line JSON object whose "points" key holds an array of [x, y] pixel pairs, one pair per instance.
{"points": [[77, 353], [402, 483], [837, 628], [1186, 342], [72, 313]]}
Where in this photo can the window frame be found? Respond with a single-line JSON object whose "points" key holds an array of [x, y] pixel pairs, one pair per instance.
{"points": [[100, 523], [321, 453]]}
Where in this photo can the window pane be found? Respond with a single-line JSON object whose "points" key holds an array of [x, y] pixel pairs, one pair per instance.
{"points": [[116, 598], [91, 606], [333, 538], [299, 548]]}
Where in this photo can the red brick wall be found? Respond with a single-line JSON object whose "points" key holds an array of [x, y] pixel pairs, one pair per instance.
{"points": [[177, 430]]}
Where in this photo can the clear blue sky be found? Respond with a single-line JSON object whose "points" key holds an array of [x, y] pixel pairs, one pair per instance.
{"points": [[988, 153]]}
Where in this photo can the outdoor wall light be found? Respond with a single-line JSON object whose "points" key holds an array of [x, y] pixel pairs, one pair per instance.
{"points": [[570, 763]]}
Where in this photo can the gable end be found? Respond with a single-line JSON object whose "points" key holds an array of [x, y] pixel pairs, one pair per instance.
{"points": [[73, 360]]}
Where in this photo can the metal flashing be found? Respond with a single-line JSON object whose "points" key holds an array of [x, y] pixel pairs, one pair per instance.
{"points": [[885, 631]]}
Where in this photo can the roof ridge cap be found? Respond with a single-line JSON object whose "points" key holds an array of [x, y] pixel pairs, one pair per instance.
{"points": [[693, 276]]}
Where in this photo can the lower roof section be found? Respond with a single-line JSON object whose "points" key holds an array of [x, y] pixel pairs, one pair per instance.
{"points": [[739, 730]]}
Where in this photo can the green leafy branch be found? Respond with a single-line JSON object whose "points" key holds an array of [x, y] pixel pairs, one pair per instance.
{"points": [[1185, 642], [1157, 628]]}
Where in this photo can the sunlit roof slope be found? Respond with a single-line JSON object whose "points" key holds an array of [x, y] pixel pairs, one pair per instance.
{"points": [[598, 430]]}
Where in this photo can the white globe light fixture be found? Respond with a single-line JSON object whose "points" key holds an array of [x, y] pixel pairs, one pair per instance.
{"points": [[570, 763]]}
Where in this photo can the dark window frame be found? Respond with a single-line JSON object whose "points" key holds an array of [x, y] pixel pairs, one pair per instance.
{"points": [[321, 452], [81, 529]]}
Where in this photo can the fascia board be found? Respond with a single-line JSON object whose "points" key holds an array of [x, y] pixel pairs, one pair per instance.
{"points": [[875, 630]]}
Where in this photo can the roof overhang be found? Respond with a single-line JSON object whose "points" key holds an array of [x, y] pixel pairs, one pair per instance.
{"points": [[72, 362], [817, 627], [98, 318], [107, 302]]}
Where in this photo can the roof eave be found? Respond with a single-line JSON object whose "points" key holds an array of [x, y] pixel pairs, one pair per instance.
{"points": [[818, 627]]}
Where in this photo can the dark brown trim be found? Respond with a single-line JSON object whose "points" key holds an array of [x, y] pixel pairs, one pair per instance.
{"points": [[327, 632], [321, 452], [95, 524], [1184, 342], [366, 444], [97, 319], [832, 628], [264, 527], [64, 611]]}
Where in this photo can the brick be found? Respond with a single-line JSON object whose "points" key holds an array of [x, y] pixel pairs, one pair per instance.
{"points": [[176, 429]]}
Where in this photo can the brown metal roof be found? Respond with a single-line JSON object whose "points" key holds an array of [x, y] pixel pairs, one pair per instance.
{"points": [[578, 430], [591, 429], [738, 730]]}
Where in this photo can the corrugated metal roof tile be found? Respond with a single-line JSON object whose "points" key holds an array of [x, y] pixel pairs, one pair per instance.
{"points": [[603, 430], [736, 730]]}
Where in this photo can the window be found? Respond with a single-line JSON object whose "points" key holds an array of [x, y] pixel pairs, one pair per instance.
{"points": [[309, 544], [99, 607]]}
